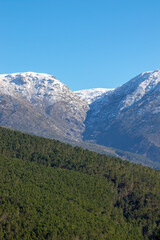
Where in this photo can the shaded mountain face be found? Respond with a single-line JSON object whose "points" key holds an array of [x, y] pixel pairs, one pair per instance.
{"points": [[128, 117], [40, 104]]}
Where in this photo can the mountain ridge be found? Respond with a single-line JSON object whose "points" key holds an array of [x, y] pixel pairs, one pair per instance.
{"points": [[126, 118], [90, 95]]}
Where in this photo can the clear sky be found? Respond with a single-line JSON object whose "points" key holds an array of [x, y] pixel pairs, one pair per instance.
{"points": [[83, 43]]}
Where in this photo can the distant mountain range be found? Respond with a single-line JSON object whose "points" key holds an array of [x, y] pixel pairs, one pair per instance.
{"points": [[126, 118]]}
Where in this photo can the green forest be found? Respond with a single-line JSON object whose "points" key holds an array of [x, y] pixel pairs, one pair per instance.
{"points": [[51, 190]]}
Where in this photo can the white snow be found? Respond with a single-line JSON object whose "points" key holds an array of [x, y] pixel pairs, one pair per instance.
{"points": [[44, 87], [32, 86], [90, 95], [138, 87]]}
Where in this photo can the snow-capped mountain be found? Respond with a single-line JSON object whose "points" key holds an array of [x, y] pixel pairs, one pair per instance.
{"points": [[128, 117], [35, 87], [40, 104], [91, 95]]}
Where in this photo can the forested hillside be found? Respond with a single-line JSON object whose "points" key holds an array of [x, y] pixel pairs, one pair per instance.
{"points": [[51, 190]]}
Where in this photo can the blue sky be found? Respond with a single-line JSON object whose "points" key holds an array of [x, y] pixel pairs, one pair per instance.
{"points": [[83, 43]]}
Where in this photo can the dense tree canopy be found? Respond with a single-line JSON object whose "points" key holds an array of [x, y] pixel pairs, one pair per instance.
{"points": [[51, 190]]}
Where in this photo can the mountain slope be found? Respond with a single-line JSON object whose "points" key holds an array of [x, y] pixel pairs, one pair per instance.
{"points": [[51, 190], [40, 104], [128, 117]]}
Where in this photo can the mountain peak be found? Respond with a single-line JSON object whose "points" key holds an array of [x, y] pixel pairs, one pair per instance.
{"points": [[28, 74], [45, 103], [30, 84], [138, 87], [26, 77]]}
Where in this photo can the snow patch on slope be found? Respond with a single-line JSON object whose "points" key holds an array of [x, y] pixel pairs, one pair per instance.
{"points": [[90, 95], [138, 87]]}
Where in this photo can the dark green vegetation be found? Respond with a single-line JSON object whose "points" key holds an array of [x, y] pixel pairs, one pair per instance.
{"points": [[51, 190], [132, 157]]}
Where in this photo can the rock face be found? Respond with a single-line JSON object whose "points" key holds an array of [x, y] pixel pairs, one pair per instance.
{"points": [[40, 104], [128, 117]]}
